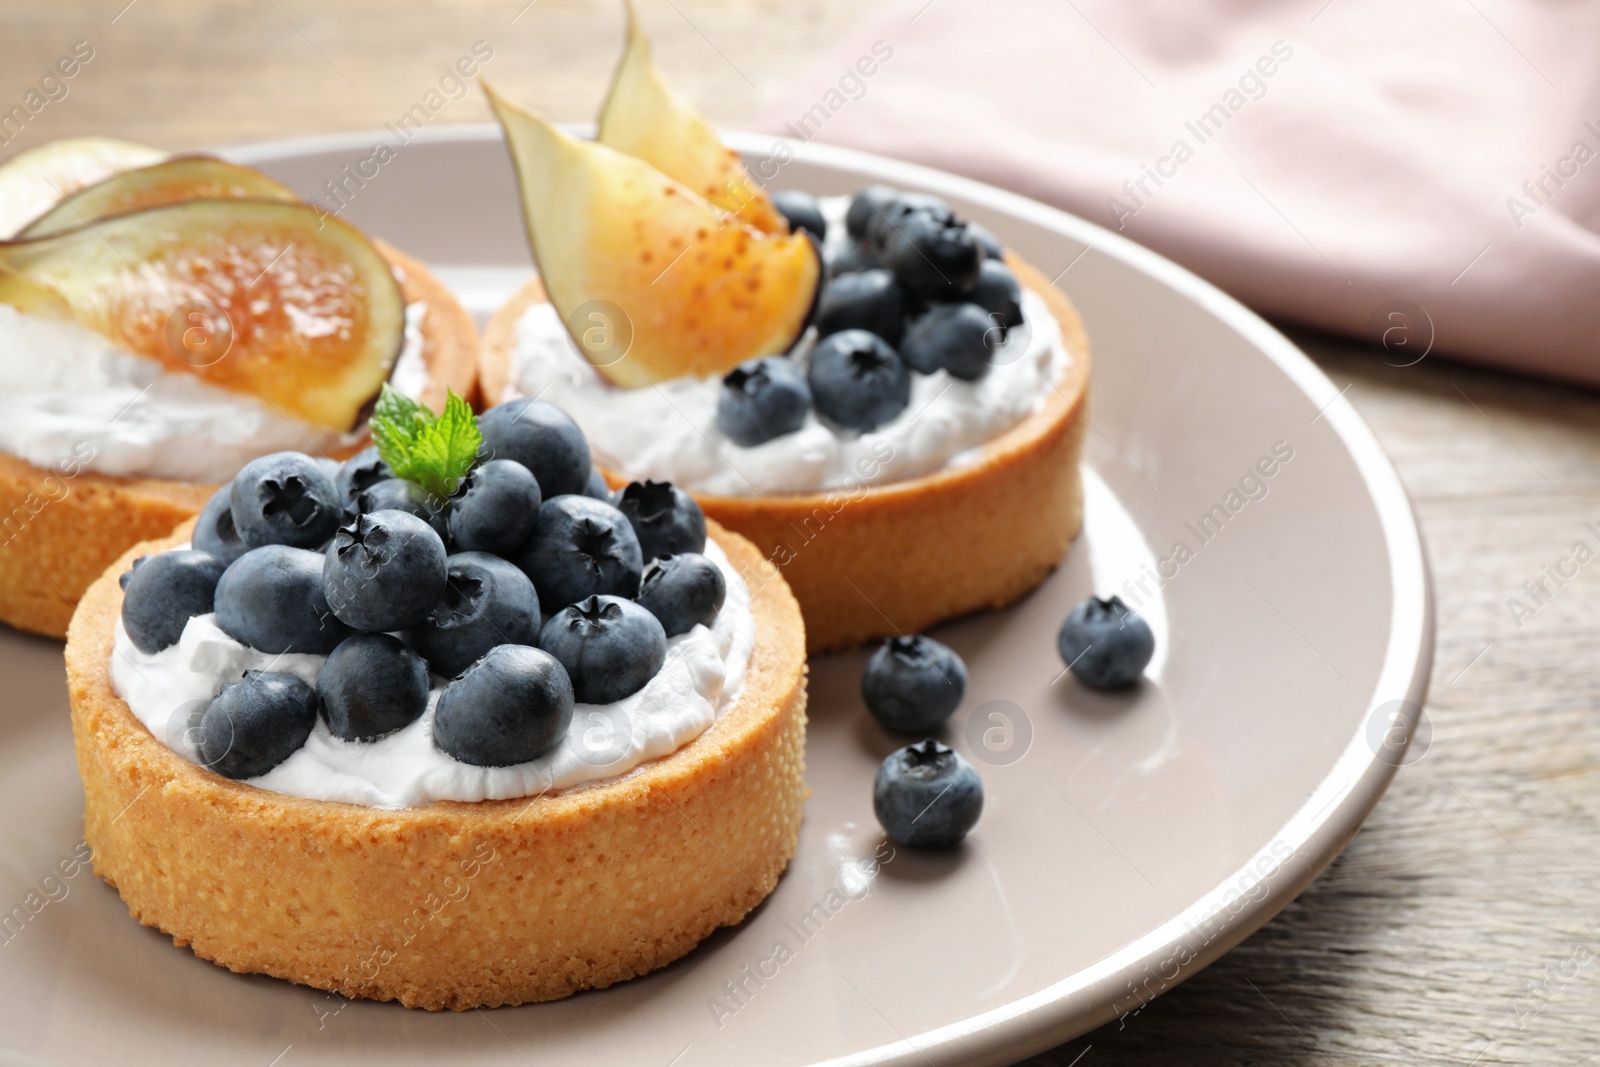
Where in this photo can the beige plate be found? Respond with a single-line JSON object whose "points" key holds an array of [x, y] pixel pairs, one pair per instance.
{"points": [[1127, 840]]}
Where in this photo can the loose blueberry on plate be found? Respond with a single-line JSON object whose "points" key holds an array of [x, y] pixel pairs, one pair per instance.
{"points": [[869, 202], [610, 647], [959, 338], [541, 437], [163, 592], [992, 248], [927, 796], [935, 257], [372, 685], [869, 300], [271, 598], [361, 471], [256, 723], [597, 488], [998, 293], [683, 591], [857, 380], [849, 258], [665, 518], [802, 212], [1106, 644], [286, 498], [763, 399], [913, 684], [398, 494], [384, 571], [581, 547], [214, 531], [493, 508], [511, 706], [487, 601]]}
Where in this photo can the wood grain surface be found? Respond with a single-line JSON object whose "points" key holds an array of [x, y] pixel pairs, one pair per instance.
{"points": [[1461, 925]]}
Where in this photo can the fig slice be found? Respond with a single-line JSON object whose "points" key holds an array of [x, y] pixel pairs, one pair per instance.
{"points": [[168, 182], [661, 282], [264, 298], [643, 117], [34, 181]]}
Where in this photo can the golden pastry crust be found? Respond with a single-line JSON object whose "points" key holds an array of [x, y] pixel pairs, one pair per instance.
{"points": [[899, 557], [60, 528], [450, 905]]}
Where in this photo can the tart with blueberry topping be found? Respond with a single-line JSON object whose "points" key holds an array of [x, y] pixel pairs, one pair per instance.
{"points": [[164, 320], [898, 429], [481, 761]]}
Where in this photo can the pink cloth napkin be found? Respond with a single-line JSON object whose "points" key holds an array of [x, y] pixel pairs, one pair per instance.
{"points": [[1332, 162]]}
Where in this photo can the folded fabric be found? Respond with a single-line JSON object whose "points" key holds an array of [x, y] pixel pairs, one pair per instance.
{"points": [[1417, 173]]}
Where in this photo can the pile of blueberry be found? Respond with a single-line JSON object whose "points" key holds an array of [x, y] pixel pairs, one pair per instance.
{"points": [[530, 588], [926, 795], [915, 290]]}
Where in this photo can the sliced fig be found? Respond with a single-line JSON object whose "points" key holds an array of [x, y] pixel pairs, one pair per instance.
{"points": [[623, 249], [32, 182], [644, 118], [264, 298], [167, 182]]}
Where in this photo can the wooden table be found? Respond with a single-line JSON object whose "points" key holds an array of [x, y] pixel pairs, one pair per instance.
{"points": [[1460, 926]]}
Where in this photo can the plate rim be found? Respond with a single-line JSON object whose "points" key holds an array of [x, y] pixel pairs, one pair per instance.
{"points": [[1337, 806]]}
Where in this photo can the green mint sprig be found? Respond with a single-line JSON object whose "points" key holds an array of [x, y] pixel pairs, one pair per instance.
{"points": [[435, 451]]}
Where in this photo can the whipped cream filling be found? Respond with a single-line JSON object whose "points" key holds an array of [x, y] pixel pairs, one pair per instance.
{"points": [[669, 431], [703, 676], [69, 395]]}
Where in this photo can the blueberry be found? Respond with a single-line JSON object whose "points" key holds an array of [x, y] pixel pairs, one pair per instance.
{"points": [[665, 518], [1106, 644], [998, 293], [610, 647], [511, 706], [541, 437], [271, 598], [372, 685], [869, 300], [214, 531], [992, 248], [913, 684], [286, 498], [361, 471], [682, 591], [162, 593], [857, 380], [849, 258], [398, 494], [887, 227], [927, 796], [492, 509], [384, 571], [581, 547], [256, 723], [762, 399], [802, 212], [597, 488], [487, 601], [864, 206], [935, 257], [959, 338]]}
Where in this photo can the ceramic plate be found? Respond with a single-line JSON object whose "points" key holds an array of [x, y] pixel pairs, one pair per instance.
{"points": [[1127, 841]]}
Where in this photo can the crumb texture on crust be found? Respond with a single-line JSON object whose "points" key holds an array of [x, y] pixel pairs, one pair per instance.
{"points": [[451, 906], [899, 557], [59, 530]]}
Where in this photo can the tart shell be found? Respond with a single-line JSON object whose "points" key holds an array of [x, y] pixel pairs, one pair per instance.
{"points": [[898, 557], [452, 905], [60, 528]]}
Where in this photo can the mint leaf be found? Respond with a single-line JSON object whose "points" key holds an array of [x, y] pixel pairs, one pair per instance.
{"points": [[433, 451]]}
